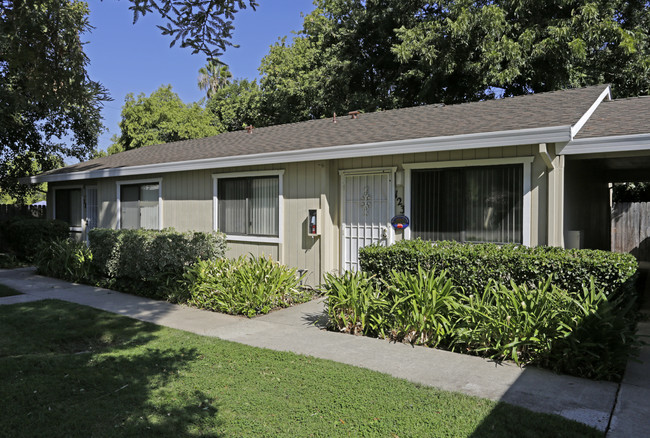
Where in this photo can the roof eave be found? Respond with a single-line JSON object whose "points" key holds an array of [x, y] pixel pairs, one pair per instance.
{"points": [[613, 143], [554, 134]]}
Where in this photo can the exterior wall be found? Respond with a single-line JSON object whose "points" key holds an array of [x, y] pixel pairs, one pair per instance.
{"points": [[188, 202]]}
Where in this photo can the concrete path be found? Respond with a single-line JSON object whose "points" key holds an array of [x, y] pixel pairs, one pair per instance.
{"points": [[300, 330]]}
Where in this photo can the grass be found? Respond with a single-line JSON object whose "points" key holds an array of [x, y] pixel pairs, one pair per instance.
{"points": [[6, 291], [69, 370]]}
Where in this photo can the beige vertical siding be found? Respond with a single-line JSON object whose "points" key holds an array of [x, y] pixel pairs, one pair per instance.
{"points": [[188, 204]]}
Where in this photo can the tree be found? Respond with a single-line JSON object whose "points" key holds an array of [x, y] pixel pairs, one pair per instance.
{"points": [[50, 108], [214, 76], [161, 118], [383, 54], [462, 48], [205, 26], [237, 105]]}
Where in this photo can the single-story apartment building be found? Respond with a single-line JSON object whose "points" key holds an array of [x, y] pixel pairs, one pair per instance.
{"points": [[532, 170]]}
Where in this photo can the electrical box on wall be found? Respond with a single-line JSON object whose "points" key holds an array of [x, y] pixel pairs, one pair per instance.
{"points": [[314, 222]]}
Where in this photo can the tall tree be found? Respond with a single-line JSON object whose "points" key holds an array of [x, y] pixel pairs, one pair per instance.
{"points": [[213, 77], [382, 54], [161, 117], [50, 108], [237, 105]]}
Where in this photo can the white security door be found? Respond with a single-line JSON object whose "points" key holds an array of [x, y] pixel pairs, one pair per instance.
{"points": [[367, 207], [92, 216]]}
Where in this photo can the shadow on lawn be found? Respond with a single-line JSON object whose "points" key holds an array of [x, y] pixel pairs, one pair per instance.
{"points": [[75, 371]]}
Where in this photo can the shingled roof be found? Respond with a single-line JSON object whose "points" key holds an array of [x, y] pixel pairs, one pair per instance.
{"points": [[618, 117], [543, 110]]}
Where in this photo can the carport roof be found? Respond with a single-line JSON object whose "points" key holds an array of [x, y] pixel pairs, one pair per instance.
{"points": [[618, 117], [543, 117]]}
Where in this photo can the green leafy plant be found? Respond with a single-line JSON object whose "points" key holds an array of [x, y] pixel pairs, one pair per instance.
{"points": [[473, 266], [66, 259], [25, 236], [514, 322], [244, 286], [421, 306], [355, 304], [150, 262]]}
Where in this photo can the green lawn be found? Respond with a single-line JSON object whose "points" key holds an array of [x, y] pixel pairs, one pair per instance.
{"points": [[6, 291], [69, 370]]}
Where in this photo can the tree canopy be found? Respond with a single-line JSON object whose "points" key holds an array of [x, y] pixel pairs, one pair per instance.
{"points": [[383, 54], [161, 117], [50, 107]]}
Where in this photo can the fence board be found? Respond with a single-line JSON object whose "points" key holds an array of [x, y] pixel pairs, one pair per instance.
{"points": [[8, 211], [631, 229]]}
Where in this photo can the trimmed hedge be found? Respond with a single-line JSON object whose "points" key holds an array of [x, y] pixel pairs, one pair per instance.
{"points": [[146, 262], [472, 266], [25, 236]]}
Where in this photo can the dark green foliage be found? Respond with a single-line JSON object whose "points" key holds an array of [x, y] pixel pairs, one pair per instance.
{"points": [[25, 236], [65, 259], [245, 286], [472, 266], [146, 262], [45, 90], [582, 333], [631, 192]]}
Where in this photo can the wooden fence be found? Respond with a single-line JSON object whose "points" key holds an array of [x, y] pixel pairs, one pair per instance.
{"points": [[631, 229], [7, 211]]}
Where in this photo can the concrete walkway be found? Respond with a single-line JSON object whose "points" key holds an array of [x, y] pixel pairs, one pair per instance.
{"points": [[300, 330]]}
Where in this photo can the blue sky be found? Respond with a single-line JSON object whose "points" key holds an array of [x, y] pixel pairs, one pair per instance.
{"points": [[128, 58]]}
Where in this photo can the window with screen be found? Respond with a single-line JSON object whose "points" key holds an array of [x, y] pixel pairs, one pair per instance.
{"points": [[248, 206], [468, 204], [139, 206]]}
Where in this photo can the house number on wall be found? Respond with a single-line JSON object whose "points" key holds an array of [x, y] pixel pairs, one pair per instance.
{"points": [[365, 201], [399, 202]]}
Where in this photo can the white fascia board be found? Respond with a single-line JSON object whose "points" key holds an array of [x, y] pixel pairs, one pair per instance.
{"points": [[618, 143], [554, 134], [580, 123]]}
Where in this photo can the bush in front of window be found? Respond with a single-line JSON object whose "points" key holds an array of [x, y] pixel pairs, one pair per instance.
{"points": [[243, 286], [25, 236], [150, 262], [472, 266]]}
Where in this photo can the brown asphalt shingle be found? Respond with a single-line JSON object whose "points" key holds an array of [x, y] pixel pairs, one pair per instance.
{"points": [[559, 108], [618, 117]]}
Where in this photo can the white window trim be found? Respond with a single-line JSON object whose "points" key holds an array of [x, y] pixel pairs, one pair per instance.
{"points": [[69, 187], [215, 205], [526, 162], [119, 185]]}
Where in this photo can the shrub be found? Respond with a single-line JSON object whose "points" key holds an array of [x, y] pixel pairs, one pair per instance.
{"points": [[355, 304], [66, 259], [148, 262], [25, 236], [584, 333], [242, 286], [421, 304], [472, 266]]}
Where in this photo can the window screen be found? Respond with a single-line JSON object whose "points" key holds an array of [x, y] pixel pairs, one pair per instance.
{"points": [[470, 204], [139, 206], [248, 206]]}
